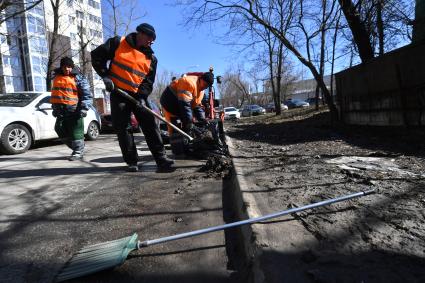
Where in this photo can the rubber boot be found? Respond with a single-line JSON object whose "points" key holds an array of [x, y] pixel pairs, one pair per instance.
{"points": [[78, 150], [163, 162]]}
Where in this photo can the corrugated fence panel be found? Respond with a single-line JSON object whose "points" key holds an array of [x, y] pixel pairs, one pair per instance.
{"points": [[388, 90]]}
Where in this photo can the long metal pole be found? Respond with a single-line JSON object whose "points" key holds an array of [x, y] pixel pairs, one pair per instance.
{"points": [[132, 99], [252, 220]]}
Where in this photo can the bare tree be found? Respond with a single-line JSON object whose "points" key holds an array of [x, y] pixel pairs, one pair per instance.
{"points": [[162, 80], [234, 89], [17, 7], [358, 28], [211, 11], [53, 39], [275, 48], [119, 16], [378, 25]]}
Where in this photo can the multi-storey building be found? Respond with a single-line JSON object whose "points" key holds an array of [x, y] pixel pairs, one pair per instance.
{"points": [[25, 41]]}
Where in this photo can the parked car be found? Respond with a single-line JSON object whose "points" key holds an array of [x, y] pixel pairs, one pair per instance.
{"points": [[26, 117], [270, 108], [253, 110], [231, 113], [107, 123], [297, 103], [312, 100]]}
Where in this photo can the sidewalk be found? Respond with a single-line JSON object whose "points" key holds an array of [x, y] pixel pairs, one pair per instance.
{"points": [[285, 164], [273, 247]]}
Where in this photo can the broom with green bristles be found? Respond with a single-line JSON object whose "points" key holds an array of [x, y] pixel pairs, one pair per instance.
{"points": [[106, 255]]}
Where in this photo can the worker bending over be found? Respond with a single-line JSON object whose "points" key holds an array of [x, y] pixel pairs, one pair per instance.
{"points": [[182, 100]]}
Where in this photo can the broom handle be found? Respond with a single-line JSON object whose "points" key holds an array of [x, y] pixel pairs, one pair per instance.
{"points": [[252, 220], [132, 99]]}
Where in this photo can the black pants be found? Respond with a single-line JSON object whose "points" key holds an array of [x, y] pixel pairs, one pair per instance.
{"points": [[121, 110]]}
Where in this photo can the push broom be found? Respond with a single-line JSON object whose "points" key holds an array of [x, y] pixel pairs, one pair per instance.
{"points": [[107, 255]]}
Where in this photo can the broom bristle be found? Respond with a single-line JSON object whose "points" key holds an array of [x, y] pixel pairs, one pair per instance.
{"points": [[98, 257]]}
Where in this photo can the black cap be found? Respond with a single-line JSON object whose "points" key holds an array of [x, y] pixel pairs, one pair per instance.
{"points": [[208, 77], [147, 29], [66, 61]]}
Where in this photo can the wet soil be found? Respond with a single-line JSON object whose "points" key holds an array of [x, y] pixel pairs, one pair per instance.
{"points": [[301, 157]]}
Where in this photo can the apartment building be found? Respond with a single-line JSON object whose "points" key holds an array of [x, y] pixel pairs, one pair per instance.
{"points": [[24, 43]]}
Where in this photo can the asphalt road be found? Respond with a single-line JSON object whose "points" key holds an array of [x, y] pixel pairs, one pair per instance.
{"points": [[51, 208]]}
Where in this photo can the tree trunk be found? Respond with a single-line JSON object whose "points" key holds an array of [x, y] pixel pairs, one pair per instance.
{"points": [[322, 50], [419, 23], [52, 45], [360, 35], [380, 26]]}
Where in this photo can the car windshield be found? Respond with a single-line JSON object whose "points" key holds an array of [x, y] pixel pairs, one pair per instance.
{"points": [[230, 109], [17, 99]]}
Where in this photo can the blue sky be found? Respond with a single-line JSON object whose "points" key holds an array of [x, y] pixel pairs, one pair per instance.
{"points": [[181, 49]]}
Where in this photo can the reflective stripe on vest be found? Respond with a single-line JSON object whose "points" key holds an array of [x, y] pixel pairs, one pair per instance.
{"points": [[129, 67], [64, 90], [185, 88]]}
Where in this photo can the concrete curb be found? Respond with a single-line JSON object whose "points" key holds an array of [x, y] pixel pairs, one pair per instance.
{"points": [[246, 207]]}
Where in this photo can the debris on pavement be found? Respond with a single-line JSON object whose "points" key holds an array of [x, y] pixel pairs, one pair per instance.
{"points": [[217, 166], [306, 158]]}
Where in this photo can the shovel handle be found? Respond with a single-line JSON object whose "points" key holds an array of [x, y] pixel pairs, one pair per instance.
{"points": [[132, 99]]}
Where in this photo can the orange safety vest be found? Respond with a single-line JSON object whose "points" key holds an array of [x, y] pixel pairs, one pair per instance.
{"points": [[186, 89], [64, 90], [129, 67]]}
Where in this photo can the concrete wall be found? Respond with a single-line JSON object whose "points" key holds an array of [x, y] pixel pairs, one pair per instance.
{"points": [[387, 91]]}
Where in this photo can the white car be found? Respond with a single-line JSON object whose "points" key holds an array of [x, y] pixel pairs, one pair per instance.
{"points": [[26, 117], [231, 113]]}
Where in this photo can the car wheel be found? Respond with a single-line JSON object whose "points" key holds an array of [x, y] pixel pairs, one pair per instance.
{"points": [[15, 139], [93, 131]]}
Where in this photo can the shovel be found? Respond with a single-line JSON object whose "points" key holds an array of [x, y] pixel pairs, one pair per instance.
{"points": [[138, 104], [107, 255]]}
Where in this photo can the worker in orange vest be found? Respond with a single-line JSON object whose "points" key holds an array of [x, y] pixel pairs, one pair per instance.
{"points": [[182, 99], [71, 99], [132, 68]]}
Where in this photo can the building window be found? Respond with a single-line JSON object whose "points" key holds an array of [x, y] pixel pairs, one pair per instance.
{"points": [[39, 83], [14, 83], [35, 25], [6, 60], [38, 44], [80, 15], [39, 65], [94, 4], [37, 10], [18, 84]]}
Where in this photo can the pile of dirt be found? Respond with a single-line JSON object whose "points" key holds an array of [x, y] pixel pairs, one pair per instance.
{"points": [[304, 158], [217, 166]]}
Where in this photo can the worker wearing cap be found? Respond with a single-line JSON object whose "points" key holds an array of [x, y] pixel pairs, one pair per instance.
{"points": [[71, 99], [132, 68], [183, 97]]}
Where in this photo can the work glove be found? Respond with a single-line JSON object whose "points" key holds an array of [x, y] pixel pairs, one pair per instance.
{"points": [[83, 113], [143, 100], [109, 84]]}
